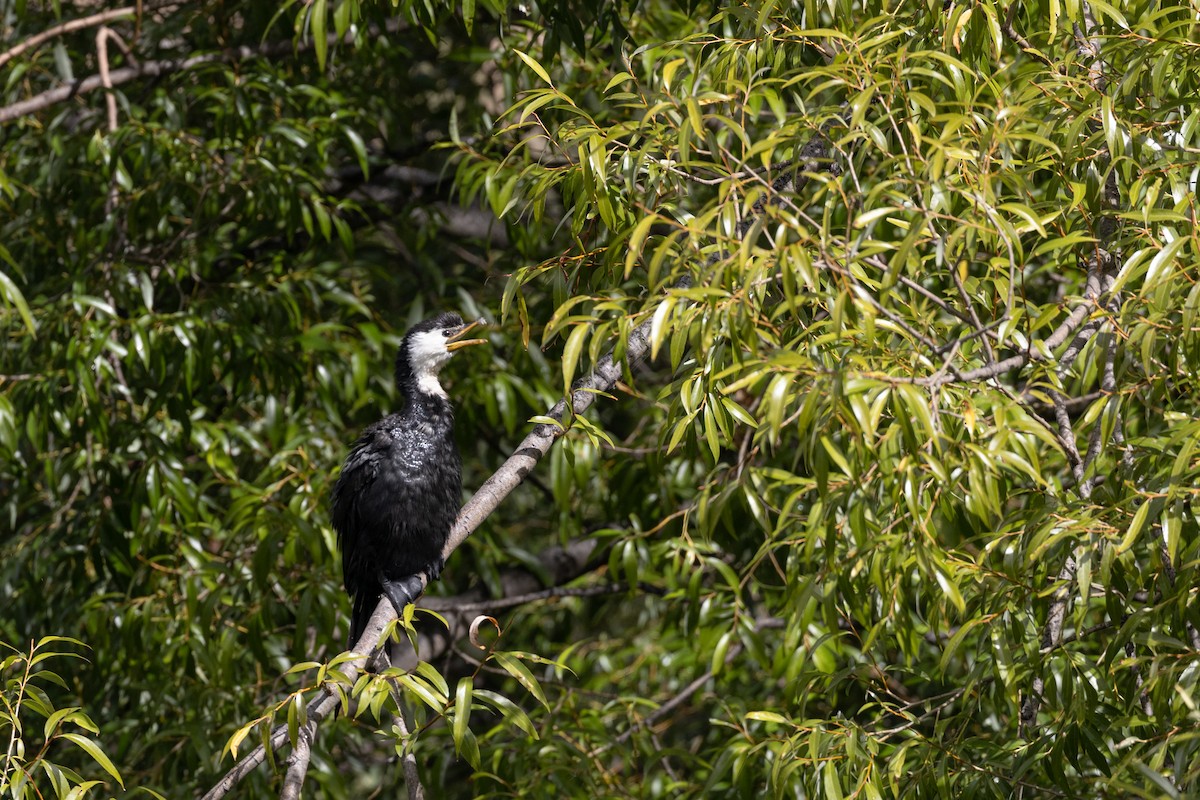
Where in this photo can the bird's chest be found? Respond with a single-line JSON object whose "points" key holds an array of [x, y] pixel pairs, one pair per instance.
{"points": [[425, 453]]}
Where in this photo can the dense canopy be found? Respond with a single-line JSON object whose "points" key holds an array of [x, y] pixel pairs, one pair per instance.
{"points": [[890, 490]]}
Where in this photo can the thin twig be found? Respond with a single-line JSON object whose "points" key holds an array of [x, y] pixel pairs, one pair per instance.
{"points": [[1009, 31], [951, 697], [966, 298], [1065, 329], [554, 592]]}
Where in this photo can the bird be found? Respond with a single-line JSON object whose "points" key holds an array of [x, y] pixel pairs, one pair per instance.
{"points": [[398, 493]]}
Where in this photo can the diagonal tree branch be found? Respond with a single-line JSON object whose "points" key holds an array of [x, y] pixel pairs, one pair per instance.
{"points": [[155, 69], [297, 763], [72, 25], [489, 496], [562, 564]]}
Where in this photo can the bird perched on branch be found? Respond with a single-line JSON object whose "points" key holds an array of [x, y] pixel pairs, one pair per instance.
{"points": [[399, 491]]}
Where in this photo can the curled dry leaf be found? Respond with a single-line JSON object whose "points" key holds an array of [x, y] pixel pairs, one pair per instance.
{"points": [[476, 623]]}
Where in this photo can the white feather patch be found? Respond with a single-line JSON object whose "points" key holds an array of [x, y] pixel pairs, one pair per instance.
{"points": [[427, 354]]}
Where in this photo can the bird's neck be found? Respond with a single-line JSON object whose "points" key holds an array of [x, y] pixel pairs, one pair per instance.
{"points": [[428, 384], [412, 382], [426, 400]]}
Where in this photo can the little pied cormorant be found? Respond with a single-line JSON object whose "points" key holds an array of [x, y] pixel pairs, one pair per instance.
{"points": [[399, 491]]}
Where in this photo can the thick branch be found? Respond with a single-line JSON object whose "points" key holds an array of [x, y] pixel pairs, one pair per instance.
{"points": [[298, 762], [563, 564], [412, 778]]}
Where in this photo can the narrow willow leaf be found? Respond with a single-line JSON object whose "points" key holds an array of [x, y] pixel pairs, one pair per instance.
{"points": [[1135, 527], [462, 710], [468, 11], [535, 66], [571, 351], [12, 296], [318, 21], [636, 239], [519, 671], [97, 755]]}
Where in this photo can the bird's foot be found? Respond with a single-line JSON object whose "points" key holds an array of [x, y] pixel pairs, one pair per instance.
{"points": [[404, 591], [434, 570]]}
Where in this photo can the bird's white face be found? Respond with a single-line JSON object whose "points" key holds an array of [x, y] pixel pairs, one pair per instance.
{"points": [[427, 352]]}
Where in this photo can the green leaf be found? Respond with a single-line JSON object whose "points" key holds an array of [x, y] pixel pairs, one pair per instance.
{"points": [[13, 296], [519, 671], [955, 642], [571, 351], [658, 325], [318, 17], [1135, 527], [468, 12], [617, 79], [535, 66], [360, 150], [511, 712], [833, 787], [462, 710], [97, 755], [636, 240]]}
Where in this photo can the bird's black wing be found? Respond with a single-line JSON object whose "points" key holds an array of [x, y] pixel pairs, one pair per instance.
{"points": [[359, 472]]}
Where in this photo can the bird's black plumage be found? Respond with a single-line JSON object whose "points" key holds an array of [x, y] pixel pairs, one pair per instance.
{"points": [[399, 490]]}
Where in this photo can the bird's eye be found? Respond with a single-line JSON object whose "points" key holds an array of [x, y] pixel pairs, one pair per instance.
{"points": [[447, 332]]}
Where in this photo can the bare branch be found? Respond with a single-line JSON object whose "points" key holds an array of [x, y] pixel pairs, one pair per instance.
{"points": [[297, 763], [72, 25], [317, 710], [1108, 386], [1091, 293], [561, 563], [1066, 435], [1052, 635], [153, 69], [412, 778]]}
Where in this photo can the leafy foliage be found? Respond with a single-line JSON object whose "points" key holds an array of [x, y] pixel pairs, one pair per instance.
{"points": [[904, 504], [28, 770]]}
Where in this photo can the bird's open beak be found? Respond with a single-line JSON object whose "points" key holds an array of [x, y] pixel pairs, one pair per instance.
{"points": [[456, 341]]}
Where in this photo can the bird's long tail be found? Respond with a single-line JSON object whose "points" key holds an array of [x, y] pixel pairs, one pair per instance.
{"points": [[363, 607]]}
